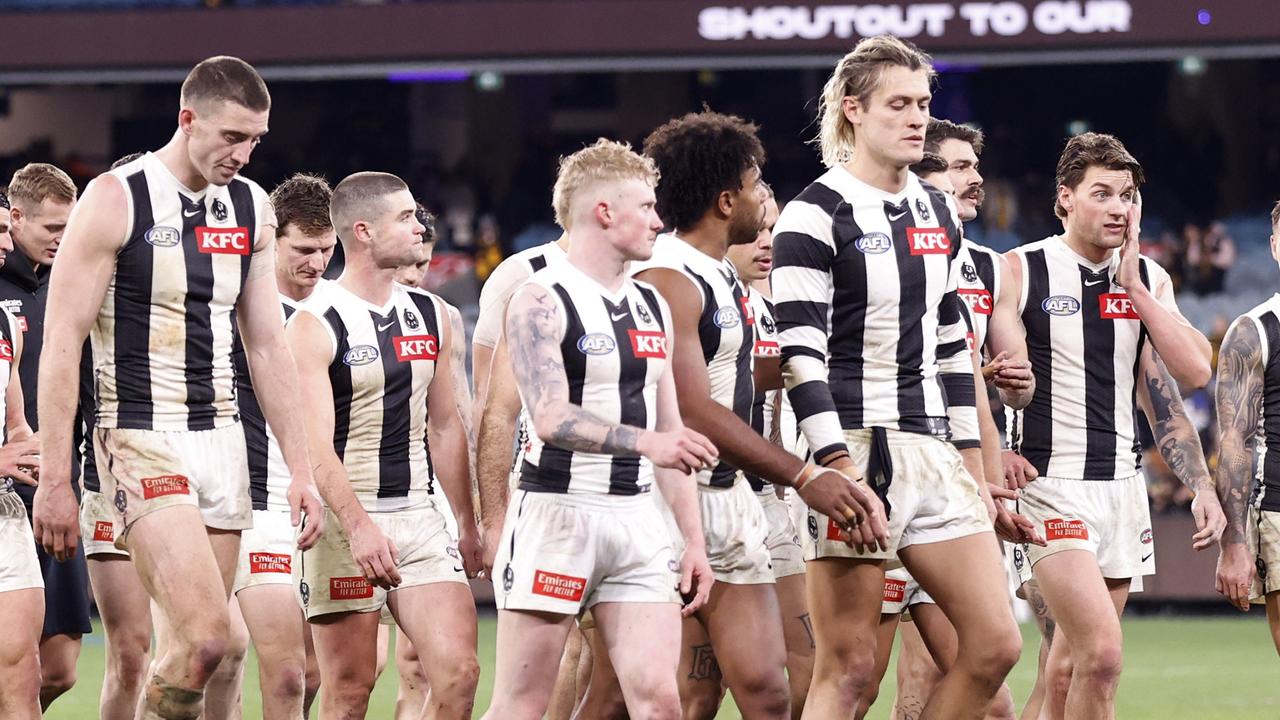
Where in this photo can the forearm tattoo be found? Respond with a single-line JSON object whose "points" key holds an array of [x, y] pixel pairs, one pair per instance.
{"points": [[1175, 436], [1239, 400]]}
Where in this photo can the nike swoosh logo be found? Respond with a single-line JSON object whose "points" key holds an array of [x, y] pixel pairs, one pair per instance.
{"points": [[458, 569], [617, 317], [1147, 557], [190, 213], [1091, 284], [899, 216], [382, 327]]}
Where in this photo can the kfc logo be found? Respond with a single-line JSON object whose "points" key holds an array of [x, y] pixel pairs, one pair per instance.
{"points": [[1117, 306], [104, 531], [349, 588], [979, 301], [1059, 529], [561, 587], [747, 313], [6, 350], [416, 347], [261, 562], [894, 590], [835, 532], [928, 241], [648, 344], [154, 487], [223, 241], [767, 348]]}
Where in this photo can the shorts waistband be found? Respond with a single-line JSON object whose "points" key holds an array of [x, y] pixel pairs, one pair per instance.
{"points": [[11, 505], [1122, 479], [895, 437], [591, 501]]}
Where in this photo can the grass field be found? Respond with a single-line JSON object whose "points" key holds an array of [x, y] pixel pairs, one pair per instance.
{"points": [[1197, 669]]}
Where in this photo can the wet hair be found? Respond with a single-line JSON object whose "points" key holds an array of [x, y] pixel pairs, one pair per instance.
{"points": [[930, 163], [4, 201], [303, 202], [226, 78], [602, 161], [428, 221], [1092, 150], [700, 155], [36, 182], [125, 160], [940, 130]]}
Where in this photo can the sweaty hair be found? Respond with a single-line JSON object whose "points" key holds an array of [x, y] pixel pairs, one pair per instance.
{"points": [[428, 221], [303, 202], [940, 130], [857, 75], [4, 201], [930, 163], [359, 197], [602, 161], [125, 160], [700, 155], [36, 182], [226, 78], [1092, 150]]}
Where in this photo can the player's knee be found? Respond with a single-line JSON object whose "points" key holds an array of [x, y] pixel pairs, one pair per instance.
{"points": [[1100, 663], [455, 686], [993, 656], [852, 668], [767, 689], [312, 682], [172, 702], [702, 701], [56, 679], [128, 660], [287, 681], [660, 701]]}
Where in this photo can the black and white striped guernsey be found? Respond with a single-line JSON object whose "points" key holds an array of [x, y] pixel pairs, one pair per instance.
{"points": [[1084, 341], [1266, 318], [724, 329], [162, 340], [269, 477], [870, 325], [383, 362], [978, 288], [615, 351], [766, 345], [9, 334]]}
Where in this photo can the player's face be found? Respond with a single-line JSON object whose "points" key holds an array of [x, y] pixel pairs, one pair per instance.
{"points": [[222, 137], [39, 231], [397, 234], [636, 222], [748, 208], [6, 240], [962, 168], [755, 260], [890, 126], [302, 258], [1098, 208], [412, 275], [942, 181]]}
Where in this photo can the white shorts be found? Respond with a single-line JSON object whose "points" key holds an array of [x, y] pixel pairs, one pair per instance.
{"points": [[267, 551], [932, 498], [1109, 518], [901, 591], [783, 542], [98, 525], [330, 581], [19, 568], [147, 470], [736, 532], [564, 553], [1263, 536]]}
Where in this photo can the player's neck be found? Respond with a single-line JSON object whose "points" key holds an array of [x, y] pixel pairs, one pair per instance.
{"points": [[762, 286], [294, 292], [877, 173], [367, 281], [1087, 250], [708, 237], [174, 157], [599, 260]]}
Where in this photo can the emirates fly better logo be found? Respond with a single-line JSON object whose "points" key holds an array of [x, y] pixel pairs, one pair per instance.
{"points": [[562, 587]]}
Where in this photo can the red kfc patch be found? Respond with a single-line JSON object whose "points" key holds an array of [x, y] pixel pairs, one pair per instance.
{"points": [[349, 588], [835, 532], [928, 241], [748, 315], [1116, 306], [894, 590], [261, 562], [978, 300], [561, 587], [648, 343], [104, 531], [223, 241], [767, 348], [1059, 529], [416, 347], [154, 487], [6, 350]]}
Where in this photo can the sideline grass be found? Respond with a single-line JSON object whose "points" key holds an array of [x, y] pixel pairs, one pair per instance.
{"points": [[1175, 669]]}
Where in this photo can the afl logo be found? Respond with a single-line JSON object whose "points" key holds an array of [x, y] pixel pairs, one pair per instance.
{"points": [[1060, 305], [163, 236], [727, 317], [360, 355], [596, 344], [873, 243]]}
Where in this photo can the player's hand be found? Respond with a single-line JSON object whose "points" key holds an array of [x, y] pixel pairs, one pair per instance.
{"points": [[374, 552], [471, 548], [1210, 520], [1009, 374], [1129, 276], [1018, 472], [685, 450], [696, 579], [1009, 525], [306, 509], [492, 538], [20, 460], [854, 505], [1234, 577], [55, 518]]}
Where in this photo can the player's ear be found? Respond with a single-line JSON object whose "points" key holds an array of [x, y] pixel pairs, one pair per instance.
{"points": [[186, 118], [603, 214], [1064, 198], [1275, 247], [852, 109]]}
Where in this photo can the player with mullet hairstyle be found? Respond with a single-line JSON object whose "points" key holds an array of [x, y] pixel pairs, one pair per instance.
{"points": [[712, 196], [1105, 338], [884, 387], [592, 357], [1249, 430], [21, 586], [383, 421], [160, 259]]}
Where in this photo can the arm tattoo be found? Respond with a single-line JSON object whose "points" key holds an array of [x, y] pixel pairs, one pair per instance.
{"points": [[1175, 436], [1239, 398], [461, 387], [533, 340]]}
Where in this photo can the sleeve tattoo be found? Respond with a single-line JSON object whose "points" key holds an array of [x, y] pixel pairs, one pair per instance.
{"points": [[533, 332], [1175, 436], [1239, 399]]}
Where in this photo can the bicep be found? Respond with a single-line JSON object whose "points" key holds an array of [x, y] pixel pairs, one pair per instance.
{"points": [[311, 349], [534, 329], [689, 370], [1241, 368], [95, 233]]}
